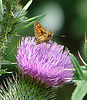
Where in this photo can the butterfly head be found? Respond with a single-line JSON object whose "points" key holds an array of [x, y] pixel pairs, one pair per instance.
{"points": [[49, 36]]}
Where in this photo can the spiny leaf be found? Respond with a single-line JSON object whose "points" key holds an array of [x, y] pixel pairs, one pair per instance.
{"points": [[76, 66], [33, 18], [27, 5], [80, 90], [6, 62], [3, 71], [19, 17], [32, 22]]}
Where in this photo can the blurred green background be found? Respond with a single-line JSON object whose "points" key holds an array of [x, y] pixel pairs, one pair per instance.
{"points": [[66, 18]]}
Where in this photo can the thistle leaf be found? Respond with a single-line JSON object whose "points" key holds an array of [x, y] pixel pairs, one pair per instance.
{"points": [[6, 62], [3, 71], [27, 5], [36, 17], [19, 17], [76, 66], [30, 23], [80, 90]]}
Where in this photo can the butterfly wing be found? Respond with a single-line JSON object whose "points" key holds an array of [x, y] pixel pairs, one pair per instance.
{"points": [[39, 30]]}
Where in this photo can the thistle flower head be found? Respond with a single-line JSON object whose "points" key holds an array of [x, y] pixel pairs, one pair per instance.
{"points": [[47, 63]]}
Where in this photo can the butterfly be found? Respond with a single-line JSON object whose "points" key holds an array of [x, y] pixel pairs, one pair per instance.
{"points": [[41, 34]]}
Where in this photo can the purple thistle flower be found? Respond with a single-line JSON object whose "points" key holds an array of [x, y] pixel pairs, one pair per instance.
{"points": [[47, 63]]}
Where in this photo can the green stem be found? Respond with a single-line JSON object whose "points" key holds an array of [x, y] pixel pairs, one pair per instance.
{"points": [[1, 9], [82, 59], [4, 38]]}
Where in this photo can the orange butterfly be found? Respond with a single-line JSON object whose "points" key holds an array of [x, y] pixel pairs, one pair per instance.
{"points": [[41, 34]]}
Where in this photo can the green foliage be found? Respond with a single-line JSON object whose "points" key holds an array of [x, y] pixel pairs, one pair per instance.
{"points": [[25, 89], [80, 91], [6, 62], [33, 19], [10, 7], [3, 71], [81, 75], [13, 20], [9, 19], [27, 5], [76, 66]]}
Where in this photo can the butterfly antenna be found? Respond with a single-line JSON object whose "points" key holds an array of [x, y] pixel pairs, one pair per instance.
{"points": [[49, 12], [54, 32], [47, 28], [59, 35]]}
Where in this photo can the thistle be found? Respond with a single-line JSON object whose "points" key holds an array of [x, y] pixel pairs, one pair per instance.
{"points": [[44, 62], [43, 66]]}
